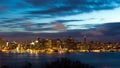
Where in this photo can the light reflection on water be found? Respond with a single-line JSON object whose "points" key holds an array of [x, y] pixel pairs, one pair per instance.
{"points": [[100, 60]]}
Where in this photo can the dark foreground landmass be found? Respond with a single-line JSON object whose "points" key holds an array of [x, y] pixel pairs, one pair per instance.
{"points": [[59, 63]]}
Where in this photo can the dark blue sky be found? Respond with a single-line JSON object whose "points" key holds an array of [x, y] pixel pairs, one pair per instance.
{"points": [[29, 19]]}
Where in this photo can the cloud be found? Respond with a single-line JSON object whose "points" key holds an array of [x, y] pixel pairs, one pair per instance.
{"points": [[59, 26], [109, 29], [96, 31], [56, 10], [106, 32], [113, 29], [61, 16], [3, 8], [14, 20], [28, 24], [37, 2], [64, 21], [93, 32], [70, 7], [45, 27]]}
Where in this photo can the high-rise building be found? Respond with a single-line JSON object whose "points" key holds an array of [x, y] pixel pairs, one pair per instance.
{"points": [[84, 39]]}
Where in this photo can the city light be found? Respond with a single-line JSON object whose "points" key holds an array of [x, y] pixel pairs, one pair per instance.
{"points": [[32, 43], [36, 41], [67, 45]]}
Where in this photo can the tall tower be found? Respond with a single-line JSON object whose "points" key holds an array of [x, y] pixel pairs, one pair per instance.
{"points": [[84, 39]]}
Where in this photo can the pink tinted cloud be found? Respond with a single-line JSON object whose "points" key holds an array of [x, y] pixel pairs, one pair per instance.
{"points": [[59, 26], [28, 23], [97, 32], [102, 28]]}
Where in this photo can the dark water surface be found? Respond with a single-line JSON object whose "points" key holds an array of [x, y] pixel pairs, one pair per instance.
{"points": [[99, 60]]}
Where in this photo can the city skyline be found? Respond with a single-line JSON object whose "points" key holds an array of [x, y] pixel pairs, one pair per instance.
{"points": [[30, 19]]}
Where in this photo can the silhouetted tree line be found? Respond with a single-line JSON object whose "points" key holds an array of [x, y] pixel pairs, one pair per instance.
{"points": [[59, 63], [66, 63]]}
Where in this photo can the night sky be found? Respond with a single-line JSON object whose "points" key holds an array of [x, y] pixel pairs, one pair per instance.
{"points": [[29, 19]]}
